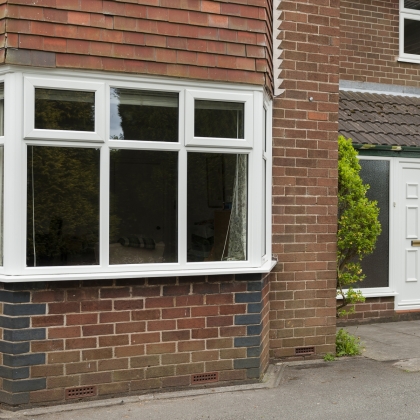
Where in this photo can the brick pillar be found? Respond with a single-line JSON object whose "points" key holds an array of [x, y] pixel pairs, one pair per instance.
{"points": [[305, 180]]}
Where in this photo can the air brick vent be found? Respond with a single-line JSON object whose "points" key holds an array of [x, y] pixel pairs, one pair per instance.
{"points": [[304, 350], [204, 378], [80, 392]]}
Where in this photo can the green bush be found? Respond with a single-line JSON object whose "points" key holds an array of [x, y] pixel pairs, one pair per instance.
{"points": [[358, 226], [347, 344]]}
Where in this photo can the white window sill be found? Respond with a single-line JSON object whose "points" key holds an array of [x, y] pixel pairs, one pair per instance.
{"points": [[409, 60], [375, 292], [265, 268]]}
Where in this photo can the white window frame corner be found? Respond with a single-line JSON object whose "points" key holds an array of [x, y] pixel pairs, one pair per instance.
{"points": [[247, 98], [62, 83], [412, 15]]}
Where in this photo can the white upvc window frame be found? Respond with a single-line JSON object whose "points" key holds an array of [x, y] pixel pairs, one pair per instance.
{"points": [[412, 15], [30, 83], [247, 99], [20, 134]]}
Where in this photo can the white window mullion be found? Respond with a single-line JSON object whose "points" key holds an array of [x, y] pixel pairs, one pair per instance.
{"points": [[104, 198], [182, 207], [15, 178]]}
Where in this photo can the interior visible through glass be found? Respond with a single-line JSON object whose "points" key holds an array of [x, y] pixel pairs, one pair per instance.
{"points": [[62, 206], [217, 203], [144, 115], [219, 119], [143, 207], [72, 110], [411, 36]]}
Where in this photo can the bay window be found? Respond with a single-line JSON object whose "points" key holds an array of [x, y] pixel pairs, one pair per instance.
{"points": [[127, 177]]}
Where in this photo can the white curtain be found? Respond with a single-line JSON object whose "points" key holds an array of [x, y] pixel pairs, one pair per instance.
{"points": [[238, 217]]}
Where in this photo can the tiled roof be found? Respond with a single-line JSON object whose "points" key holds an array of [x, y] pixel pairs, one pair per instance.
{"points": [[371, 118]]}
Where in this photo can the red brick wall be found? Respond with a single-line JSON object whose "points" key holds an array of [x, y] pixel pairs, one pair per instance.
{"points": [[200, 39], [305, 180], [369, 44], [129, 336]]}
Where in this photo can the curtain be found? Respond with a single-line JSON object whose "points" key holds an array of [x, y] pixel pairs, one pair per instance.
{"points": [[237, 231]]}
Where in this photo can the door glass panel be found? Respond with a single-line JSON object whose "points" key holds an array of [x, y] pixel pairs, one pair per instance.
{"points": [[217, 203], [64, 110], [376, 265], [144, 115], [219, 119], [143, 207], [411, 36], [62, 206]]}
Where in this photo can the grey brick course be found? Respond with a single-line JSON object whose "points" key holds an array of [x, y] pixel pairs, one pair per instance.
{"points": [[14, 323], [247, 341], [248, 297], [24, 385], [10, 347], [26, 360], [25, 335], [30, 309], [14, 373], [247, 319]]}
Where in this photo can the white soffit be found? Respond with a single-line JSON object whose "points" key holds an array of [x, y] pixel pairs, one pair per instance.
{"points": [[277, 51]]}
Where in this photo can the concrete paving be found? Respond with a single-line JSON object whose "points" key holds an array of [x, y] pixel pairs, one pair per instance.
{"points": [[383, 383]]}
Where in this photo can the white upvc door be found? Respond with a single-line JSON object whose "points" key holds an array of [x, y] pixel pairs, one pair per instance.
{"points": [[407, 246]]}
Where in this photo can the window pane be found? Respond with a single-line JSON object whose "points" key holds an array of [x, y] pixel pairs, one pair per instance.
{"points": [[1, 109], [411, 36], [219, 119], [144, 115], [217, 203], [144, 202], [376, 265], [62, 206], [64, 110], [412, 4], [1, 202]]}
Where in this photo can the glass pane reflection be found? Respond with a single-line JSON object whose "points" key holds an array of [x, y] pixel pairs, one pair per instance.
{"points": [[64, 110], [144, 115], [62, 206], [219, 119], [411, 36]]}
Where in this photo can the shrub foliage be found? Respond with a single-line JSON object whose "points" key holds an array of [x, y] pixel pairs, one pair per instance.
{"points": [[358, 226]]}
